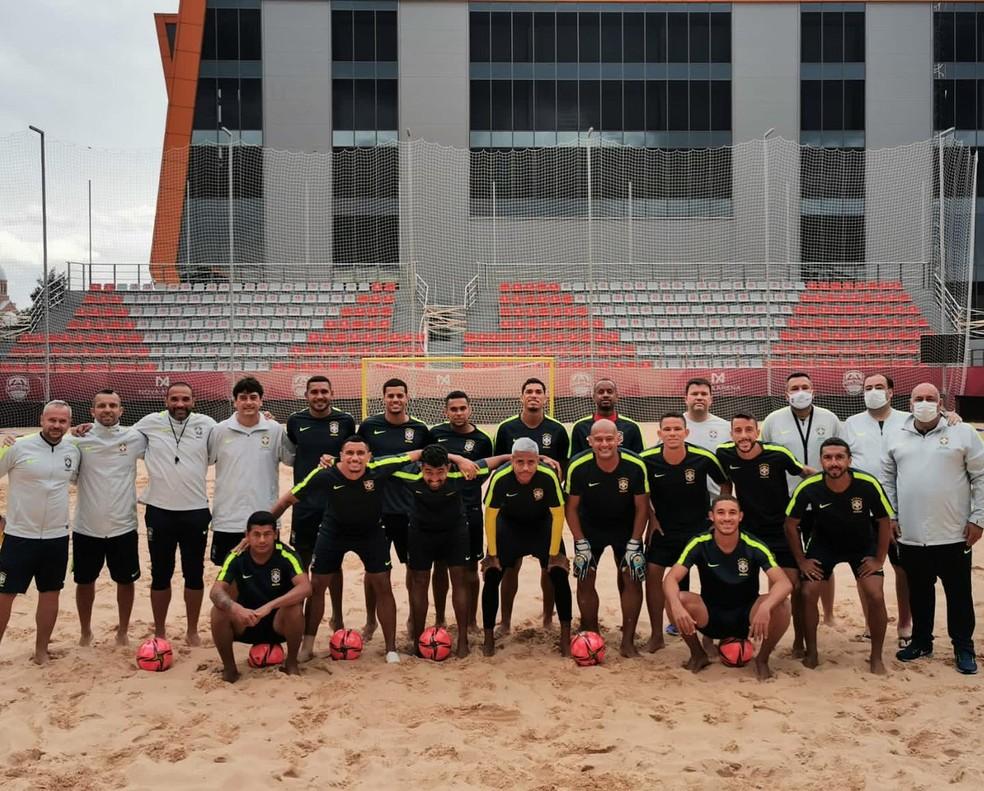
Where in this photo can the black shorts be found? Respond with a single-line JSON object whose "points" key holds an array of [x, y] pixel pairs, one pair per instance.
{"points": [[514, 542], [476, 533], [44, 560], [427, 547], [893, 555], [600, 538], [828, 557], [168, 531], [397, 527], [120, 553], [727, 621], [774, 537], [372, 548], [304, 533], [262, 632], [665, 550], [222, 545]]}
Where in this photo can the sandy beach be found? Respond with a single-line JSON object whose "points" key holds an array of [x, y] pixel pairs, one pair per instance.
{"points": [[525, 719]]}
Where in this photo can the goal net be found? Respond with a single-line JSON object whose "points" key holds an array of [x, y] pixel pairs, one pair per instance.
{"points": [[493, 384]]}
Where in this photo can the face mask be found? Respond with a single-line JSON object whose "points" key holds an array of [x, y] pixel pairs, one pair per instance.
{"points": [[925, 411], [875, 399], [801, 399]]}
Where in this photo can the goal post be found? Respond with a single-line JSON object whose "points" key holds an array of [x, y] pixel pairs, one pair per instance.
{"points": [[493, 384]]}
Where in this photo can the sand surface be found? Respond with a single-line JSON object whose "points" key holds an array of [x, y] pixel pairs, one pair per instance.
{"points": [[525, 719]]}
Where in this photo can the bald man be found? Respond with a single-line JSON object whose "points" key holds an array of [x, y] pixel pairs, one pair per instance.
{"points": [[608, 506], [934, 478]]}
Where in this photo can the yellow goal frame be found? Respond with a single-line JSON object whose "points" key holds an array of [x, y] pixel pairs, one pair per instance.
{"points": [[551, 363]]}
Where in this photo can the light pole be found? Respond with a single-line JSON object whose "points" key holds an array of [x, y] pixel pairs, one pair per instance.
{"points": [[45, 295]]}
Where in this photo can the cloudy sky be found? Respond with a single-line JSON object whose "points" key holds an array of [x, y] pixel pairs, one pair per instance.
{"points": [[89, 74]]}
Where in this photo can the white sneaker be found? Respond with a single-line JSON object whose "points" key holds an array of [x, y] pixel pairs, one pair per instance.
{"points": [[392, 658]]}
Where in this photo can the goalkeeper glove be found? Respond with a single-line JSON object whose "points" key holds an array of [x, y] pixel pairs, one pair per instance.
{"points": [[582, 558], [635, 560]]}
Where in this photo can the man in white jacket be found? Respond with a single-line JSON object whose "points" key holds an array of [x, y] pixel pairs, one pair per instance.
{"points": [[35, 541], [934, 477]]}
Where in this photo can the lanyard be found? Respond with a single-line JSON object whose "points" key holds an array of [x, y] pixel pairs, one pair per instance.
{"points": [[177, 437], [804, 437]]}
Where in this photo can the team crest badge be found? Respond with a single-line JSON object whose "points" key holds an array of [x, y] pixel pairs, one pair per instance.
{"points": [[275, 576], [3, 578], [538, 494], [408, 435], [547, 441], [333, 428], [743, 566], [122, 448], [68, 462], [369, 485], [199, 431], [857, 505], [713, 434], [763, 471], [944, 441], [690, 475], [469, 445], [265, 441], [821, 431], [623, 485]]}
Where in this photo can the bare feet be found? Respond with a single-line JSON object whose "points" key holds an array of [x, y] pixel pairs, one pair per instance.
{"points": [[193, 639], [488, 647], [877, 666], [85, 638], [656, 643], [336, 623], [762, 669], [463, 649], [710, 647], [367, 631], [122, 638], [548, 620], [505, 627], [799, 651], [811, 660], [697, 662], [829, 619], [230, 674], [290, 668], [441, 623], [40, 657], [305, 654], [628, 649]]}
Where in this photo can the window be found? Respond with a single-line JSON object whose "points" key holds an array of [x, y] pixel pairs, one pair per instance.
{"points": [[171, 31], [364, 36], [832, 36], [832, 101]]}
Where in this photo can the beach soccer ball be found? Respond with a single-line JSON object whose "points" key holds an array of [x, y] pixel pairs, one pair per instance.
{"points": [[588, 648], [265, 655], [435, 643], [155, 655], [345, 644], [736, 652]]}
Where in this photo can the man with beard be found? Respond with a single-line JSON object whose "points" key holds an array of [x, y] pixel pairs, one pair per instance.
{"points": [[605, 395]]}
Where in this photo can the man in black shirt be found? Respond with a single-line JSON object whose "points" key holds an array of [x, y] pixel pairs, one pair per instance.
{"points": [[553, 441], [316, 431], [392, 432], [729, 605], [606, 402], [524, 515], [257, 596], [459, 435], [843, 502], [759, 472], [678, 474], [608, 506]]}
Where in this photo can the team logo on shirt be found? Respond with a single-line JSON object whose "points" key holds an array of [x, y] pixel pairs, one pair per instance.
{"points": [[857, 505], [821, 431], [763, 471], [122, 448], [68, 462], [408, 435], [199, 431], [547, 441], [713, 434], [369, 485], [469, 445], [690, 475], [944, 441], [275, 576], [743, 567], [265, 441], [538, 494], [3, 578], [623, 485], [333, 428]]}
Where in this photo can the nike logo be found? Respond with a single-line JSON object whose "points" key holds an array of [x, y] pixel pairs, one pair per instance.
{"points": [[595, 483], [228, 441], [824, 505], [733, 467], [713, 565], [512, 494], [968, 550], [442, 439], [339, 486], [379, 431], [660, 475], [303, 428], [247, 576]]}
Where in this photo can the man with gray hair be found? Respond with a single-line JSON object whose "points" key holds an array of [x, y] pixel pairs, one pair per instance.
{"points": [[35, 542], [934, 478]]}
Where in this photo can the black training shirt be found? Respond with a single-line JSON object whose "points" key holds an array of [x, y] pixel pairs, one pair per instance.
{"points": [[841, 519], [474, 445], [258, 584], [386, 439], [439, 510], [550, 437], [607, 498], [313, 437], [728, 581], [524, 504], [679, 491], [761, 486]]}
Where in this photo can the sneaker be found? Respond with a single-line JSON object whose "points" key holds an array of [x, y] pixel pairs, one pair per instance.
{"points": [[392, 658], [672, 631], [913, 651], [965, 661]]}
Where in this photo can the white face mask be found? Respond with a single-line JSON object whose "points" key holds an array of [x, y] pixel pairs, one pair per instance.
{"points": [[801, 399], [925, 411], [875, 399]]}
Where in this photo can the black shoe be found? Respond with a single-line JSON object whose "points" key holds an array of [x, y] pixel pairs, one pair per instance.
{"points": [[913, 651], [965, 661]]}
